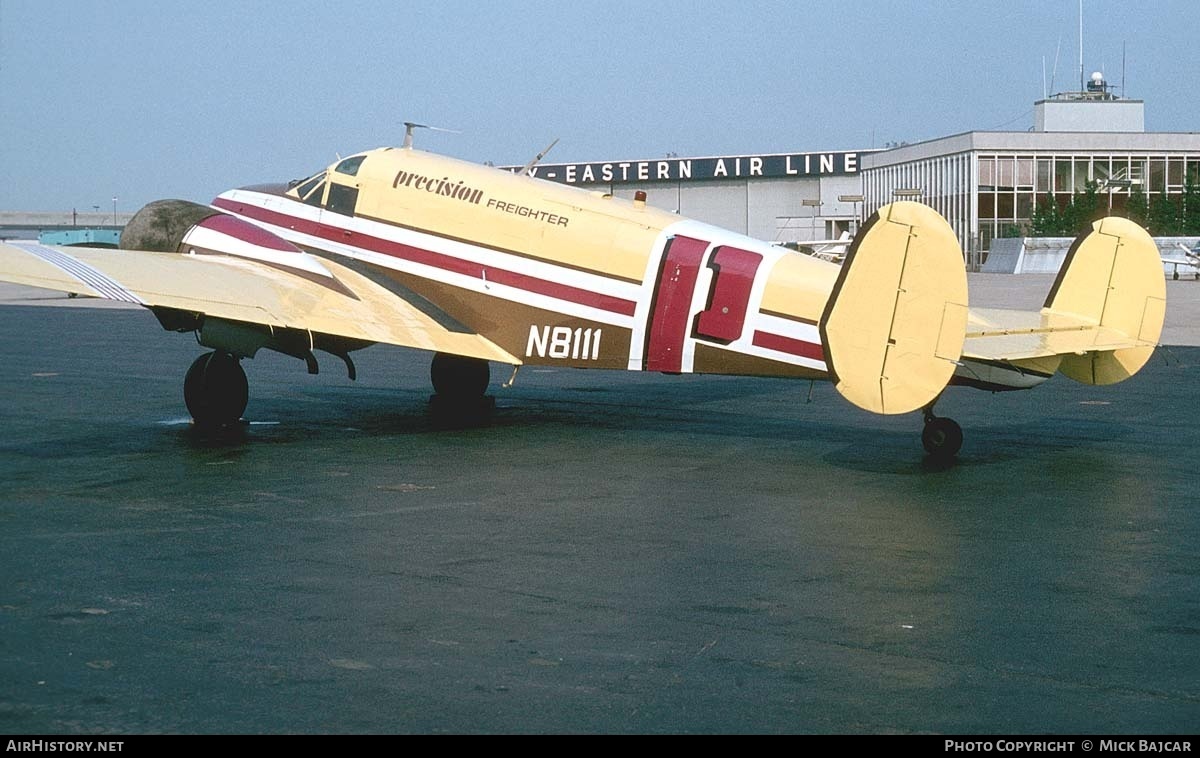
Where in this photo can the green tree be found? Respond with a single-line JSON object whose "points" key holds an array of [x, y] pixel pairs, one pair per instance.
{"points": [[1190, 218], [1089, 207], [1045, 217], [1164, 216], [1137, 209], [1069, 218]]}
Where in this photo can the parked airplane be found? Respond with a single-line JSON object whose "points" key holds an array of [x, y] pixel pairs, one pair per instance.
{"points": [[1190, 259], [475, 264], [832, 250]]}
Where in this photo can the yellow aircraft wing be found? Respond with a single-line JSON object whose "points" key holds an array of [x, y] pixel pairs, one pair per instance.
{"points": [[225, 287]]}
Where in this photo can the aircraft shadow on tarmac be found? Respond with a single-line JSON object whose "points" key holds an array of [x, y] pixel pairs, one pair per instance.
{"points": [[689, 412]]}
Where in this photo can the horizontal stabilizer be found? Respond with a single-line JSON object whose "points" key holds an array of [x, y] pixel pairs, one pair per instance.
{"points": [[894, 325]]}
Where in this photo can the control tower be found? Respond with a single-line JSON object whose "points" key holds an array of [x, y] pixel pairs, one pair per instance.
{"points": [[1095, 109]]}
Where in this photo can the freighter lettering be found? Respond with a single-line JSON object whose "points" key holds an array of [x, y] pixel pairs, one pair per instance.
{"points": [[525, 211]]}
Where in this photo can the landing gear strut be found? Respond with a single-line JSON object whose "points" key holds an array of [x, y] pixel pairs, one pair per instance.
{"points": [[215, 389], [942, 437]]}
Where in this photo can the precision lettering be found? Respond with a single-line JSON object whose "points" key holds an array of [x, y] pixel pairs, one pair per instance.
{"points": [[441, 186]]}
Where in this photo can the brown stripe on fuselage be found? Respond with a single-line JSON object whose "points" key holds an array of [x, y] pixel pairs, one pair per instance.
{"points": [[716, 360], [499, 249], [508, 324]]}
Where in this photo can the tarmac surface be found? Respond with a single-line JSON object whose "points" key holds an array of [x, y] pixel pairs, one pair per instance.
{"points": [[609, 552]]}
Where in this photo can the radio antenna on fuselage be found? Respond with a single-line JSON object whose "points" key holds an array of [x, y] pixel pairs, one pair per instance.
{"points": [[529, 166], [409, 127]]}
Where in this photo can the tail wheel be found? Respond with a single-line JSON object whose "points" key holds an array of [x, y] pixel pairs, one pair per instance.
{"points": [[456, 377], [215, 389]]}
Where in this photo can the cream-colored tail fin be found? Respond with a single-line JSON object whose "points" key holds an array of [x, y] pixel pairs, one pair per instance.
{"points": [[894, 325], [1112, 276]]}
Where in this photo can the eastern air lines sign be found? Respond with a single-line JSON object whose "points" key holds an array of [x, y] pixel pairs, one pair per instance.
{"points": [[699, 169]]}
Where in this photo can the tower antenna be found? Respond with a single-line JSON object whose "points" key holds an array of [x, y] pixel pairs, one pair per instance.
{"points": [[1054, 71], [1081, 84], [1123, 69], [528, 167]]}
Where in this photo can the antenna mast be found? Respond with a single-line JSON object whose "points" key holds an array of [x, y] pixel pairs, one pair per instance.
{"points": [[537, 159], [1081, 84], [1123, 93], [1054, 72], [409, 127]]}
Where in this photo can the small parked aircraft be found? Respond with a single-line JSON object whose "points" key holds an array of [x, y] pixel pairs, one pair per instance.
{"points": [[476, 264], [1190, 259], [833, 251]]}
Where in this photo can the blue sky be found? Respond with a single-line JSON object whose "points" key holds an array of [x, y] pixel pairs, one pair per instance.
{"points": [[144, 100]]}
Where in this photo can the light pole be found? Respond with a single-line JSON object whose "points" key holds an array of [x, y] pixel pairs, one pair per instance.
{"points": [[114, 210], [815, 205], [855, 199]]}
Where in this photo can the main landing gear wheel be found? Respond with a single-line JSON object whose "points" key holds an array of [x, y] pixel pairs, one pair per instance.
{"points": [[942, 437], [459, 384], [215, 389], [454, 376]]}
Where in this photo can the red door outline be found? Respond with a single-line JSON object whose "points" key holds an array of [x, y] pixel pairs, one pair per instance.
{"points": [[671, 310], [724, 318]]}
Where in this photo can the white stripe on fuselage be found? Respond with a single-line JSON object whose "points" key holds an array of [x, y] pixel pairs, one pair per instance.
{"points": [[484, 257], [211, 239]]}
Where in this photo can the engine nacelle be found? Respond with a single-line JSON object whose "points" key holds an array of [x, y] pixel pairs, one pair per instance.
{"points": [[161, 225], [181, 226]]}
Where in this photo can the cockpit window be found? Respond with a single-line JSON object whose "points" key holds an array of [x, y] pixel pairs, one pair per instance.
{"points": [[307, 186], [316, 196], [350, 165], [342, 199]]}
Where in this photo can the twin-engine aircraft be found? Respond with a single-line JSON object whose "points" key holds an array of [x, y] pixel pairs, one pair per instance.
{"points": [[479, 265]]}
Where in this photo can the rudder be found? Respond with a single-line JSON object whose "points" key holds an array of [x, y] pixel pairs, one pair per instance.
{"points": [[1112, 275], [895, 322]]}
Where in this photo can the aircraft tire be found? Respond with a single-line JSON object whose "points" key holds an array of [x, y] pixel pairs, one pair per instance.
{"points": [[942, 437], [215, 389], [455, 377]]}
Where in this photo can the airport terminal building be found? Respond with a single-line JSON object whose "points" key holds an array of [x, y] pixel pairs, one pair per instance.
{"points": [[986, 184]]}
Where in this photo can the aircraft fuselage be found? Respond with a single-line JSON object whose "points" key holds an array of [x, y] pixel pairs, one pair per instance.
{"points": [[556, 275]]}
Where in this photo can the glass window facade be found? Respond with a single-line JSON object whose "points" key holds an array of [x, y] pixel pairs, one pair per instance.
{"points": [[944, 183], [986, 194]]}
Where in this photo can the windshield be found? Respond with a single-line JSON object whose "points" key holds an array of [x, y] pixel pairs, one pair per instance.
{"points": [[310, 190]]}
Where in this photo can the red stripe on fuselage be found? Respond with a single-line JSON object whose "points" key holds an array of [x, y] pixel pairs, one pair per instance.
{"points": [[247, 232], [439, 261], [789, 345]]}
